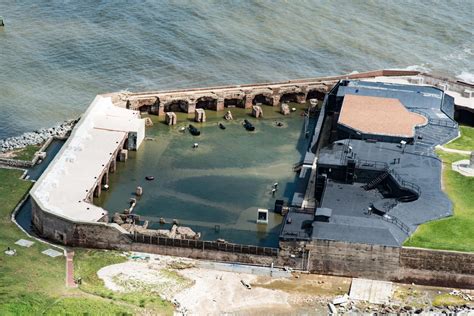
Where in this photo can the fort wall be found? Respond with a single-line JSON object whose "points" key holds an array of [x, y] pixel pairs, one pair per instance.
{"points": [[78, 234], [216, 98], [406, 265], [219, 97], [421, 266]]}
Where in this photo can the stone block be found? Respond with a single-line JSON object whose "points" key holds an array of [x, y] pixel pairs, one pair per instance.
{"points": [[148, 122], [123, 155], [200, 115], [139, 191], [257, 111], [171, 118], [284, 109], [228, 116], [467, 93]]}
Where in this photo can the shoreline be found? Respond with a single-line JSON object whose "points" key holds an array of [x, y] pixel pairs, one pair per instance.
{"points": [[36, 137]]}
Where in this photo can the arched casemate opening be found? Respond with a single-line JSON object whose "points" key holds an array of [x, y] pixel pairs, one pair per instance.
{"points": [[176, 106], [206, 103], [315, 94], [295, 97], [239, 103], [263, 99], [150, 108]]}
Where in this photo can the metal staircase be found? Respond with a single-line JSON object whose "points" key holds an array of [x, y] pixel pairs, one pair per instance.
{"points": [[377, 180]]}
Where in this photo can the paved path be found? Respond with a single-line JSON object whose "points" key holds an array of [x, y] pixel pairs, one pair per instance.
{"points": [[70, 269], [456, 151]]}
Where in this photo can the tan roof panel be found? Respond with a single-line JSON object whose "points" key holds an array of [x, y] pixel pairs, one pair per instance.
{"points": [[379, 116]]}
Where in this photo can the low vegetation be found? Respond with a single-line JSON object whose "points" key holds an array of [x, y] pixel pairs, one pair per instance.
{"points": [[25, 288], [90, 261], [448, 300], [27, 153], [466, 141], [455, 232], [32, 283]]}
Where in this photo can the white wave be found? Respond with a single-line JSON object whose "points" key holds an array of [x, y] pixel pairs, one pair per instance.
{"points": [[466, 77], [422, 68], [462, 53]]}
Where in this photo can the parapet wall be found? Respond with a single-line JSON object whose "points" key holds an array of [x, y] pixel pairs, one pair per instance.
{"points": [[78, 234], [218, 98]]}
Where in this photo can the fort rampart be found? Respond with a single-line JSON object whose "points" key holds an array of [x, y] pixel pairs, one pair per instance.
{"points": [[421, 266]]}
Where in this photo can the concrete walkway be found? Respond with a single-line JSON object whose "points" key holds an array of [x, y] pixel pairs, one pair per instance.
{"points": [[455, 151]]}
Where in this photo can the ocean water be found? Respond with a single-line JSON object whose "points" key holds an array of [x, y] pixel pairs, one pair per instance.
{"points": [[55, 56]]}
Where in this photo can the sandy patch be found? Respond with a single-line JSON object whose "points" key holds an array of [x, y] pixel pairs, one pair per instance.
{"points": [[158, 275], [195, 291], [217, 292], [201, 291]]}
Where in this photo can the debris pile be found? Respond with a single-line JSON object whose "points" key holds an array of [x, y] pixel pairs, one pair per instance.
{"points": [[345, 305]]}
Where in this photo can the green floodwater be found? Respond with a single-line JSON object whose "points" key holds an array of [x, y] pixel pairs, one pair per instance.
{"points": [[222, 182]]}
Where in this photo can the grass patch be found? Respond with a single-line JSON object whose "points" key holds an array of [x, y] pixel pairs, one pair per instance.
{"points": [[90, 261], [26, 153], [466, 141], [455, 232], [32, 283], [29, 279], [448, 300], [87, 306]]}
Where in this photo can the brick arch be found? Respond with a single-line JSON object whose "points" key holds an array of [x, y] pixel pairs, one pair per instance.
{"points": [[263, 98], [235, 102], [295, 97], [206, 103], [176, 106], [316, 94]]}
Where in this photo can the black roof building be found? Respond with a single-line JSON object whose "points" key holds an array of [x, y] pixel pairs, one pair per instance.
{"points": [[378, 186]]}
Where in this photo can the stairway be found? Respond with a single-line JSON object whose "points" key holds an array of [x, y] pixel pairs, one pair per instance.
{"points": [[350, 171], [377, 180], [297, 167], [435, 134]]}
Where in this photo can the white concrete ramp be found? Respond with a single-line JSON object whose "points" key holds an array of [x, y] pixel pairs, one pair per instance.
{"points": [[24, 243], [375, 292], [52, 253]]}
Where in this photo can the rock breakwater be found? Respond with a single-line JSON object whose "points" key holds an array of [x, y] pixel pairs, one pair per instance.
{"points": [[36, 137]]}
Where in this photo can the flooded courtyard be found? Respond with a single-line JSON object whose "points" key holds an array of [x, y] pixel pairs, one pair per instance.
{"points": [[216, 188]]}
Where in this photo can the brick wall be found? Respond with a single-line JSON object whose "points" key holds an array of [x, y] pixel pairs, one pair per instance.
{"points": [[436, 267], [407, 265]]}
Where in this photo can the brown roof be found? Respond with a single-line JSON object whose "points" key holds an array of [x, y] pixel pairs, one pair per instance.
{"points": [[379, 116]]}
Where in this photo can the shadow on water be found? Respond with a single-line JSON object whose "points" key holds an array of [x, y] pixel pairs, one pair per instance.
{"points": [[35, 172]]}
